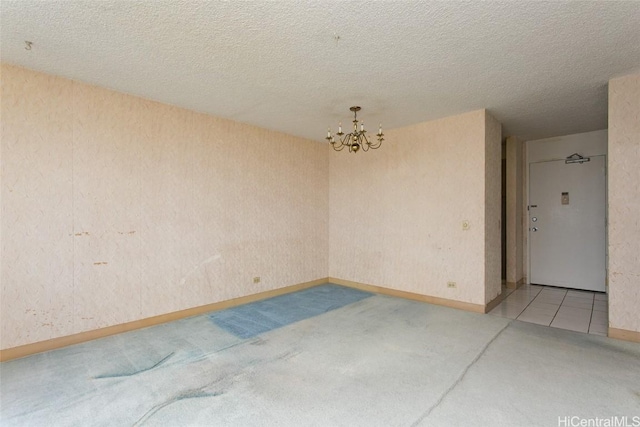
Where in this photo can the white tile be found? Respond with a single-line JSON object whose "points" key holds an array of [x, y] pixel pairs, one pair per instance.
{"points": [[554, 290], [515, 302], [526, 291], [503, 314], [566, 311], [544, 306], [552, 293], [537, 321], [550, 299], [571, 323], [601, 297], [509, 313], [519, 299], [533, 315], [600, 318], [577, 302], [532, 292], [529, 289], [580, 294], [600, 305], [520, 304]]}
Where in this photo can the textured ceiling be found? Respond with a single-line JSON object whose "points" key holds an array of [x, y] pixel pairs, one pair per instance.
{"points": [[541, 68]]}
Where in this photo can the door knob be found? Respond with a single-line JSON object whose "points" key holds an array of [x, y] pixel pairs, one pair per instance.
{"points": [[534, 229]]}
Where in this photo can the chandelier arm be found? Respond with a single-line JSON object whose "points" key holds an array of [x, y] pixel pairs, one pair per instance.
{"points": [[380, 139], [338, 147]]}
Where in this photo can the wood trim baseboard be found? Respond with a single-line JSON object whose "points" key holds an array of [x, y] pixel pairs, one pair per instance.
{"points": [[55, 343], [461, 305], [624, 334]]}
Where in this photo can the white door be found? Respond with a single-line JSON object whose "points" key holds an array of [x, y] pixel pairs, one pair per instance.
{"points": [[567, 223]]}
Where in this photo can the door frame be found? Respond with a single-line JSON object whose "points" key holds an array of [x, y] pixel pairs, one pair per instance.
{"points": [[559, 148], [606, 213]]}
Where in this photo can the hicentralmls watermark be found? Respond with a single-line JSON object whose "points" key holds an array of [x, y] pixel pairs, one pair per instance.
{"points": [[617, 421]]}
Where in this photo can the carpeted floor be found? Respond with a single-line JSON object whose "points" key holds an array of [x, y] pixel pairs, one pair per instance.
{"points": [[328, 356]]}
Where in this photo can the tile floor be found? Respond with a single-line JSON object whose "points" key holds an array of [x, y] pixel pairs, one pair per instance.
{"points": [[581, 311]]}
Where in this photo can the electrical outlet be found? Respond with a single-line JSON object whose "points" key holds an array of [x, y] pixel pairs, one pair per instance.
{"points": [[451, 285], [256, 279], [465, 225]]}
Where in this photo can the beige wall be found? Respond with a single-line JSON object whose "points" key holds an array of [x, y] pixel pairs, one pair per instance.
{"points": [[492, 181], [624, 203], [115, 208], [514, 210], [396, 218]]}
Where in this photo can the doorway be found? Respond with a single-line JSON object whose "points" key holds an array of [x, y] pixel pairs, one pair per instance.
{"points": [[567, 223]]}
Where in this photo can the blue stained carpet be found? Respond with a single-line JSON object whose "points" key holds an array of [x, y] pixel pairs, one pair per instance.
{"points": [[252, 319]]}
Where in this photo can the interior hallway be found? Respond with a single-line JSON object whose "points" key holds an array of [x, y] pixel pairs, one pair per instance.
{"points": [[327, 356]]}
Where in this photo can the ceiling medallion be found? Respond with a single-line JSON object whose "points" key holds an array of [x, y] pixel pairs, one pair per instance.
{"points": [[356, 139]]}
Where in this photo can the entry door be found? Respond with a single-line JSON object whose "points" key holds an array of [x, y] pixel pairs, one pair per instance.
{"points": [[567, 223]]}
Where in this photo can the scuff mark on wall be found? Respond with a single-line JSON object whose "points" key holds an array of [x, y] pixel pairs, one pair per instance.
{"points": [[100, 263]]}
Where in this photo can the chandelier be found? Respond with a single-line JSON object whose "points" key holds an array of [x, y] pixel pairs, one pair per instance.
{"points": [[356, 139]]}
